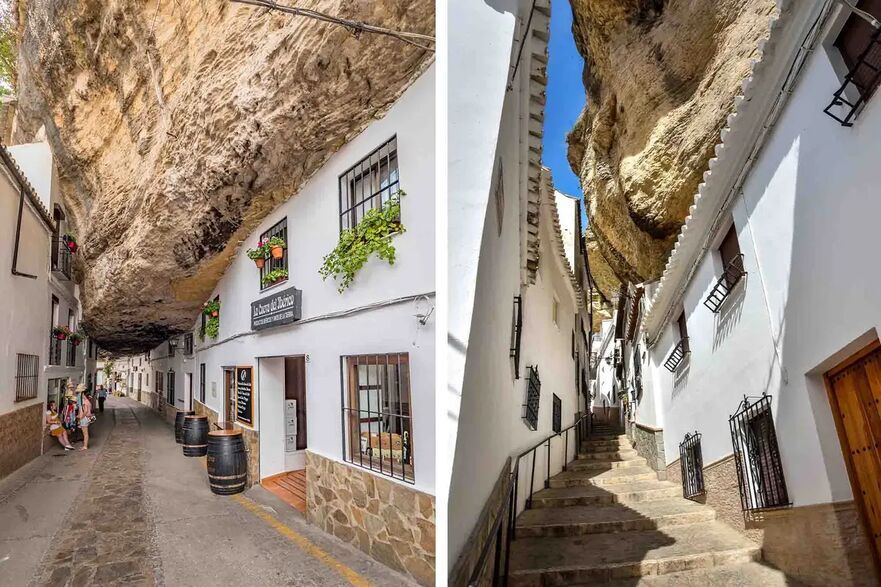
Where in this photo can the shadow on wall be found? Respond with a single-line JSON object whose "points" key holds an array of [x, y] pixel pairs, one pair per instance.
{"points": [[729, 314], [680, 376]]}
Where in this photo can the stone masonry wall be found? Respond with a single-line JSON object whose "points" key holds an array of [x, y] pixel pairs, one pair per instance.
{"points": [[392, 523], [251, 438], [20, 437], [821, 544], [649, 443]]}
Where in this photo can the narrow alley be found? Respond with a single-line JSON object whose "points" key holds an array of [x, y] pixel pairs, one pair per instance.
{"points": [[133, 510]]}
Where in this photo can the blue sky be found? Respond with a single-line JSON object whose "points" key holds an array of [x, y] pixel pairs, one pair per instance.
{"points": [[565, 98]]}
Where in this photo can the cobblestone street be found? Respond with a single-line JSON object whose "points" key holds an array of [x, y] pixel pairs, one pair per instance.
{"points": [[133, 511]]}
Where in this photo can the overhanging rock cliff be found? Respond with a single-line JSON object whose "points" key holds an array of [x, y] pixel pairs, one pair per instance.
{"points": [[178, 124], [661, 77]]}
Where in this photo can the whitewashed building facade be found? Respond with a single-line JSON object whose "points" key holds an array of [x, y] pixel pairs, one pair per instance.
{"points": [[762, 334]]}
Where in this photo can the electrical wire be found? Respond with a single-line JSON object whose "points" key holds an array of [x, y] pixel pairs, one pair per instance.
{"points": [[357, 26]]}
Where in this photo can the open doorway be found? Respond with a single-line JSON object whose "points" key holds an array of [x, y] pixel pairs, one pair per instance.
{"points": [[229, 394]]}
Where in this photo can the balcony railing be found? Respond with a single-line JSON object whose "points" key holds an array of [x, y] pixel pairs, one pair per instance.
{"points": [[55, 350], [731, 276], [679, 352], [61, 256], [859, 84]]}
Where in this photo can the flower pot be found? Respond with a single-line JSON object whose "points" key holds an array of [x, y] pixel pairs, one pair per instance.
{"points": [[277, 252], [71, 247], [260, 262], [215, 314], [75, 342], [60, 336]]}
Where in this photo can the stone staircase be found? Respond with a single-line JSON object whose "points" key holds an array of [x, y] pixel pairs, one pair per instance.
{"points": [[608, 519]]}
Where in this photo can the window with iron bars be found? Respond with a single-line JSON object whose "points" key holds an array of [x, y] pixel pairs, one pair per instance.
{"points": [[26, 377], [279, 229], [516, 332], [859, 45], [557, 416], [377, 414], [691, 463], [55, 346], [172, 346], [533, 395], [757, 456], [202, 382], [71, 353], [169, 392], [369, 184], [158, 384], [188, 343]]}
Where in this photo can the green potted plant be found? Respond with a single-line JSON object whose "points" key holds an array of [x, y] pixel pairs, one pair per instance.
{"points": [[60, 332], [258, 255], [276, 246], [212, 327], [274, 276], [76, 338], [211, 308]]}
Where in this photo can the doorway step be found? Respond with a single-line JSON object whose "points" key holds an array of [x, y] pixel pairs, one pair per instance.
{"points": [[289, 487]]}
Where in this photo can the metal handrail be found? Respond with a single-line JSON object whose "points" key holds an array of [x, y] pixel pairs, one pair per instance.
{"points": [[510, 502]]}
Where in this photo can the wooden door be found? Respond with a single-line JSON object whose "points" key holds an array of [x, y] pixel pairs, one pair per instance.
{"points": [[855, 394], [295, 388], [229, 390]]}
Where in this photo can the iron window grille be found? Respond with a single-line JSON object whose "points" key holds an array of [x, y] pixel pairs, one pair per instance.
{"points": [[757, 456], [862, 78], [557, 418], [172, 346], [169, 392], [61, 256], [369, 184], [533, 395], [188, 344], [691, 462], [280, 229], [516, 332], [26, 377], [202, 382], [677, 354], [731, 276], [71, 353], [55, 350], [377, 416]]}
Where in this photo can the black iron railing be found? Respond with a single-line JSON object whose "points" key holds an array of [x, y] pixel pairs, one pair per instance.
{"points": [[61, 256], [27, 376], [757, 456], [516, 332], [533, 396], [691, 462], [504, 530], [71, 353], [731, 276], [859, 83], [679, 351], [55, 349]]}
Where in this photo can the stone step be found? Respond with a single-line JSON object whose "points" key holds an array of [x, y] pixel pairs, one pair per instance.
{"points": [[737, 575], [639, 491], [609, 455], [607, 437], [603, 557], [587, 477], [605, 445], [581, 464], [578, 520]]}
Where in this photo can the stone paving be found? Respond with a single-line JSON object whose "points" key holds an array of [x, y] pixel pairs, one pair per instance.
{"points": [[133, 510]]}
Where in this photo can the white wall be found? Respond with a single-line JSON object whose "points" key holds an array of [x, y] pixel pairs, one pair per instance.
{"points": [[806, 223]]}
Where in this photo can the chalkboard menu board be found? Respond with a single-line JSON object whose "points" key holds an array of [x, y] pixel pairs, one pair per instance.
{"points": [[244, 397]]}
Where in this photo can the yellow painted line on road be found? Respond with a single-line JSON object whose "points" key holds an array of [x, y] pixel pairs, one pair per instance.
{"points": [[348, 574]]}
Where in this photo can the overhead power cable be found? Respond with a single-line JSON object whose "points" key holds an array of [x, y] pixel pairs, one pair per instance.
{"points": [[416, 39]]}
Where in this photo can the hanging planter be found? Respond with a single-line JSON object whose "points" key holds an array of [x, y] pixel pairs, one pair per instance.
{"points": [[274, 276], [276, 246], [61, 332], [211, 308], [258, 255], [76, 338], [212, 327], [70, 243]]}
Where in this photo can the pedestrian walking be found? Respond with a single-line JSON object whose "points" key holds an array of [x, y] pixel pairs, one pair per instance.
{"points": [[52, 421], [102, 397], [85, 415]]}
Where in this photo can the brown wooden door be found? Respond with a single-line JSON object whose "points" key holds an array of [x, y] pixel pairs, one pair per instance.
{"points": [[229, 390], [855, 393], [295, 388]]}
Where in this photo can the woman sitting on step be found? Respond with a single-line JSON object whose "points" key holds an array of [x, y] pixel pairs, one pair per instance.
{"points": [[53, 422]]}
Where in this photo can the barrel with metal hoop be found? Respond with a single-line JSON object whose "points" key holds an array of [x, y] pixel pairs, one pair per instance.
{"points": [[227, 462], [179, 425], [195, 436]]}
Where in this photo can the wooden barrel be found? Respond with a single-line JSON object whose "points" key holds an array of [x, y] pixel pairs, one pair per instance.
{"points": [[227, 462], [195, 436], [179, 426]]}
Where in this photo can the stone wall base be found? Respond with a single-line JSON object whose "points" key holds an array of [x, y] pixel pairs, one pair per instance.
{"points": [[21, 433], [649, 444], [822, 544], [392, 523]]}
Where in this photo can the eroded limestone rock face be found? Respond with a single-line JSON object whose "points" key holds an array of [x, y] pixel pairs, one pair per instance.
{"points": [[661, 77], [178, 125]]}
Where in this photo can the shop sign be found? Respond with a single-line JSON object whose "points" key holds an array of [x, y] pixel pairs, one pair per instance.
{"points": [[284, 307]]}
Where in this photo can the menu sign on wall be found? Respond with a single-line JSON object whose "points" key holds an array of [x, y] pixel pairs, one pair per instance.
{"points": [[284, 307], [244, 398]]}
